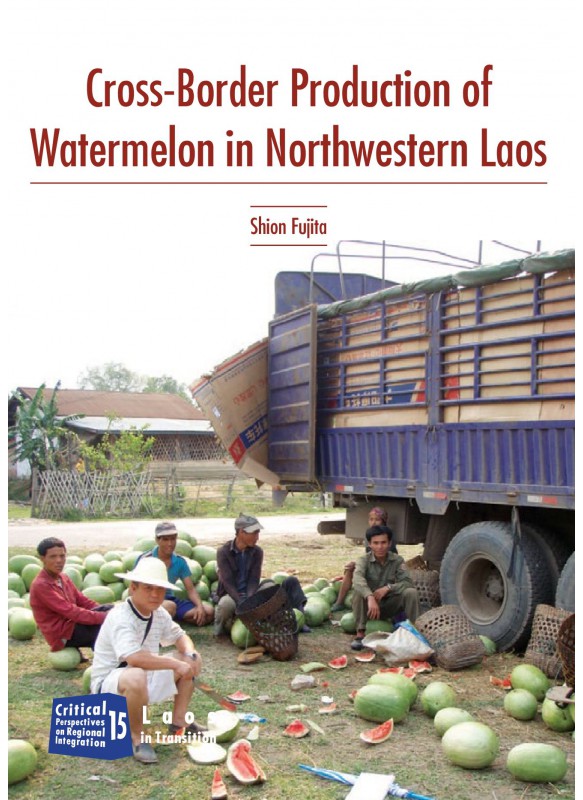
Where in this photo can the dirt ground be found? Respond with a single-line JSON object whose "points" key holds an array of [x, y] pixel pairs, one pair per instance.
{"points": [[123, 533]]}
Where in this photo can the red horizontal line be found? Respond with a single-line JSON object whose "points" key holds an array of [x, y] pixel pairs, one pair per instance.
{"points": [[311, 244], [288, 183]]}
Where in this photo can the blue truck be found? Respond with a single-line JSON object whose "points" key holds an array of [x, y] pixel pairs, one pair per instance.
{"points": [[448, 401]]}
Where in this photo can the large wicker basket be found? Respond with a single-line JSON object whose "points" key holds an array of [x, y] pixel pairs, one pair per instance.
{"points": [[426, 581], [270, 618], [450, 634], [542, 650], [566, 647]]}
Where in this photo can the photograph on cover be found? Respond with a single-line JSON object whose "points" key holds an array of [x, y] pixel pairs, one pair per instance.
{"points": [[289, 306]]}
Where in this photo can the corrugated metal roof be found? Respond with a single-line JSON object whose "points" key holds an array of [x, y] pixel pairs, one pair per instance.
{"points": [[152, 426], [127, 405]]}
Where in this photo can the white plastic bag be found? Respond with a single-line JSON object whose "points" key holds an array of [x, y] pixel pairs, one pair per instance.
{"points": [[400, 646]]}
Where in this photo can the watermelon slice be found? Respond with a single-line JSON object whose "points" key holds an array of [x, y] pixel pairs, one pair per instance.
{"points": [[364, 657], [239, 697], [296, 729], [421, 666], [379, 734], [396, 670], [408, 672], [503, 683], [218, 788], [338, 663], [328, 709]]}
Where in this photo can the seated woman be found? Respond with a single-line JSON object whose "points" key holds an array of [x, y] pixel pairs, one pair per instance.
{"points": [[376, 516]]}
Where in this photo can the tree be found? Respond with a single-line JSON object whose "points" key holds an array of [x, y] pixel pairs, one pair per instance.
{"points": [[111, 377], [166, 385], [40, 435], [128, 451]]}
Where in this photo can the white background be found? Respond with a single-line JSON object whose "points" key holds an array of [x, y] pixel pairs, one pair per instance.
{"points": [[162, 277]]}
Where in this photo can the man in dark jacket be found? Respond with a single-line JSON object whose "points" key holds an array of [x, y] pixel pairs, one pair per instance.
{"points": [[239, 563]]}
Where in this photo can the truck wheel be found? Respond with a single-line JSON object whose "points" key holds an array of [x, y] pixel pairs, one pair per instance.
{"points": [[555, 550], [565, 597], [474, 576]]}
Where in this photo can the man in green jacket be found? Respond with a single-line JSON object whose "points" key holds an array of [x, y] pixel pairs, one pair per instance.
{"points": [[382, 585]]}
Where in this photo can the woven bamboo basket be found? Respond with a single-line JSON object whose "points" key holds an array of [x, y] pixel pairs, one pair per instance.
{"points": [[542, 650], [450, 634], [566, 647], [426, 581], [270, 618]]}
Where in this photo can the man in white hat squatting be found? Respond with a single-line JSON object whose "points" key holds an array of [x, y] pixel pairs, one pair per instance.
{"points": [[127, 660]]}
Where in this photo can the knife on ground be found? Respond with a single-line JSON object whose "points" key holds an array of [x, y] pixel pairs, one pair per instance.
{"points": [[222, 701]]}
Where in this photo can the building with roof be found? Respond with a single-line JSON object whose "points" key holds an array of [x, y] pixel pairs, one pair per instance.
{"points": [[183, 437]]}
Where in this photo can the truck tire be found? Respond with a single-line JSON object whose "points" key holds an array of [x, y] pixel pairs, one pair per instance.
{"points": [[474, 575], [565, 597], [555, 550]]}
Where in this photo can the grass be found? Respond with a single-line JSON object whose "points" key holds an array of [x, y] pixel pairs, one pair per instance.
{"points": [[413, 753], [18, 511]]}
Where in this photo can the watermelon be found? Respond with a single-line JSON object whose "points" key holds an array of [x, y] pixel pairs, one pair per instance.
{"points": [[75, 575], [381, 703], [22, 625], [420, 666], [321, 583], [195, 570], [66, 659], [379, 734], [17, 562], [520, 704], [218, 788], [527, 676], [556, 718], [144, 544], [210, 570], [223, 725], [113, 555], [107, 571], [365, 656], [22, 758], [203, 553], [489, 645], [183, 548], [242, 765], [93, 562], [185, 537], [118, 588], [315, 613], [202, 752], [101, 594], [16, 584], [91, 579], [447, 717], [129, 559], [348, 623], [241, 636], [536, 762], [16, 602], [471, 745], [300, 619], [376, 625], [338, 663], [398, 681], [348, 599], [279, 577], [329, 595], [435, 696], [29, 573], [86, 682], [296, 729]]}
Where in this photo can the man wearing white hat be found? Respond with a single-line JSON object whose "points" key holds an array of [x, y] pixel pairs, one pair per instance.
{"points": [[127, 659]]}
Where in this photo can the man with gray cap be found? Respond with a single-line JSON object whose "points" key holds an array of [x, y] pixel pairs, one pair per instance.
{"points": [[188, 609], [239, 564], [127, 660]]}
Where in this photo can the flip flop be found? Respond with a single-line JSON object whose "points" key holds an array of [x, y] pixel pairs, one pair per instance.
{"points": [[144, 753]]}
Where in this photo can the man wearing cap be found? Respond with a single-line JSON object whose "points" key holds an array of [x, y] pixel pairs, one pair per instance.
{"points": [[190, 610], [239, 563], [127, 660]]}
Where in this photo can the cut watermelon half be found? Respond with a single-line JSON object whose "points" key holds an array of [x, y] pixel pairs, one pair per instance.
{"points": [[338, 663], [238, 697], [379, 734], [421, 666]]}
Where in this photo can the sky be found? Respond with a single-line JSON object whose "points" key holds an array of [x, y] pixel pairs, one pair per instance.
{"points": [[142, 268]]}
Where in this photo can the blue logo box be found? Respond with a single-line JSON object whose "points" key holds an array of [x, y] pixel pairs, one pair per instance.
{"points": [[91, 726]]}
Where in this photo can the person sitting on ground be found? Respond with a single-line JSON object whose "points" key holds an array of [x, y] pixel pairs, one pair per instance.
{"points": [[382, 585], [65, 616], [376, 516], [128, 662], [191, 610], [239, 563]]}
